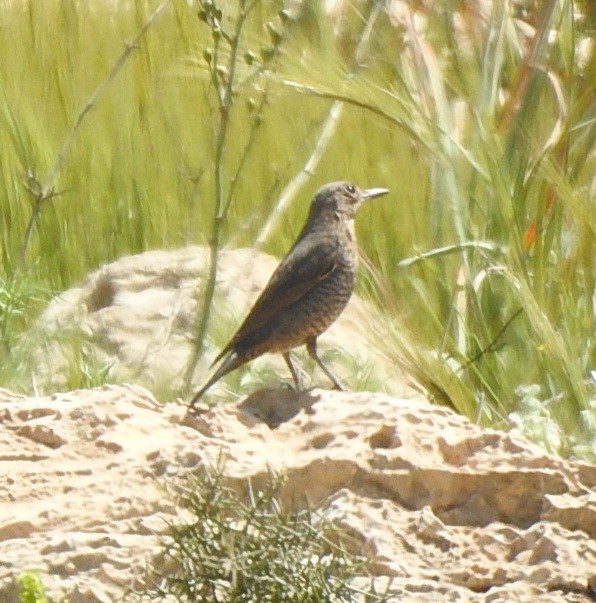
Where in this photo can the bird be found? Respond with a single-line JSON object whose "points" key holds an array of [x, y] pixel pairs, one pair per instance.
{"points": [[307, 291]]}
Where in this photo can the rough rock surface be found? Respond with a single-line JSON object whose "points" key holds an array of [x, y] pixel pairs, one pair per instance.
{"points": [[135, 317], [450, 511]]}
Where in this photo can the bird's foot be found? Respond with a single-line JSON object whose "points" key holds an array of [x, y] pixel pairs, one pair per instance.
{"points": [[290, 386]]}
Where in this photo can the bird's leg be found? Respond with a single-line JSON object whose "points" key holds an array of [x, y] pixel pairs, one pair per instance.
{"points": [[293, 370], [311, 348]]}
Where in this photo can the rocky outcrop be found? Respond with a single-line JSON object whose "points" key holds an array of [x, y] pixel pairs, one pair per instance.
{"points": [[449, 511]]}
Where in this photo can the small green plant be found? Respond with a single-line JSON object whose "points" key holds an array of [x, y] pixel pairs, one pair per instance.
{"points": [[31, 588], [236, 551], [536, 420]]}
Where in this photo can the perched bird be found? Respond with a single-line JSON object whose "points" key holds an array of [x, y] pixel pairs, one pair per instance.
{"points": [[308, 290]]}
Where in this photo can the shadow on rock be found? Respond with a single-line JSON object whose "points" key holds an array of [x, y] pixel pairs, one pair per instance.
{"points": [[274, 406]]}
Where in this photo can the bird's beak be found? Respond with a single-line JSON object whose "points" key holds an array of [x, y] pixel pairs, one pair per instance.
{"points": [[371, 193]]}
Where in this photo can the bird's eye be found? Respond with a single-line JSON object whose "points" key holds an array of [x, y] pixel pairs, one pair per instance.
{"points": [[351, 189]]}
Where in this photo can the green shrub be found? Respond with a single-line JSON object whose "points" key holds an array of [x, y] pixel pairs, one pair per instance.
{"points": [[234, 551]]}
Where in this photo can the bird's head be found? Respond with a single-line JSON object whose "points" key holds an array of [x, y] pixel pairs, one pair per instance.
{"points": [[340, 201]]}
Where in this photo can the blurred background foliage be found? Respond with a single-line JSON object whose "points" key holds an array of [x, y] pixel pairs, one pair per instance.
{"points": [[478, 116]]}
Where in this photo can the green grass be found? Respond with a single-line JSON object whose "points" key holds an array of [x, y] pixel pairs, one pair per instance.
{"points": [[485, 136]]}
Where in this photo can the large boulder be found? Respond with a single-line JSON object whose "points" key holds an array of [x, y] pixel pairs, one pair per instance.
{"points": [[450, 511], [132, 321]]}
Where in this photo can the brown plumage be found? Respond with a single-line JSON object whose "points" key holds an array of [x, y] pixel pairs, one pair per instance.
{"points": [[308, 290]]}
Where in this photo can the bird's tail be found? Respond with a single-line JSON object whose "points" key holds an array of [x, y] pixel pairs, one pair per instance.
{"points": [[230, 362]]}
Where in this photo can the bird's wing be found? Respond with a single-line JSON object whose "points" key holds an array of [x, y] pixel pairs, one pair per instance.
{"points": [[311, 261]]}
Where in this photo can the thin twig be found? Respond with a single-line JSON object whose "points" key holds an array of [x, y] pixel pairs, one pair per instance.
{"points": [[327, 131], [247, 148], [225, 99], [448, 249], [492, 346], [319, 92], [45, 191], [298, 181]]}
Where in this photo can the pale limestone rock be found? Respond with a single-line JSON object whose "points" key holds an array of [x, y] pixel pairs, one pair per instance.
{"points": [[136, 317], [446, 510]]}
